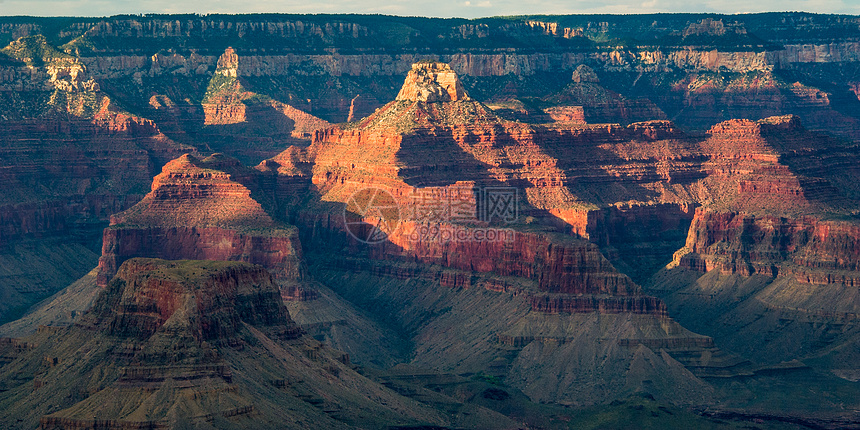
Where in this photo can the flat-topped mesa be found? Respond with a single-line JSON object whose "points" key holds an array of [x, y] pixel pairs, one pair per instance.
{"points": [[207, 300], [432, 82]]}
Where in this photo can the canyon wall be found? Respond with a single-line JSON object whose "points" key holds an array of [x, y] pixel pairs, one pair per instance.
{"points": [[480, 65], [811, 250]]}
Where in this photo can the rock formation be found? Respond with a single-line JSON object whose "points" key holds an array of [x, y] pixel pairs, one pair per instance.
{"points": [[70, 158], [772, 192], [252, 121], [344, 54], [599, 104], [286, 66], [524, 241], [209, 300], [776, 247], [410, 149], [179, 343], [432, 82], [198, 209]]}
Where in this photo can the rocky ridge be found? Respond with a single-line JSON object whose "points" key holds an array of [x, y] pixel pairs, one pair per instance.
{"points": [[186, 343]]}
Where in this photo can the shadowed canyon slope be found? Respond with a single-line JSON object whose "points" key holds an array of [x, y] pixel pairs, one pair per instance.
{"points": [[190, 343], [568, 211]]}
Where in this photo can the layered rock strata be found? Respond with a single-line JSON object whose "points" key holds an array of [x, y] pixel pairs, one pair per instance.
{"points": [[197, 210], [67, 165], [173, 343], [773, 197], [429, 164]]}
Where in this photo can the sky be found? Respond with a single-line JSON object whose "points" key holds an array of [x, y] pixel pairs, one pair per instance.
{"points": [[435, 8]]}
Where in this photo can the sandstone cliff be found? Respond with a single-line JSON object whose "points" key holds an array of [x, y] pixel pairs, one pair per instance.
{"points": [[199, 209]]}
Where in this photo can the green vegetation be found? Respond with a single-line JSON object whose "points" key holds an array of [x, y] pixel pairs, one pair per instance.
{"points": [[34, 51], [491, 379], [218, 84], [76, 46]]}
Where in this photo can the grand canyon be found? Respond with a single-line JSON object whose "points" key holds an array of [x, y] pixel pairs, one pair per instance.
{"points": [[367, 221]]}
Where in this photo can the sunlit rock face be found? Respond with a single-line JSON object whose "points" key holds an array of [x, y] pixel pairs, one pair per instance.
{"points": [[432, 82], [199, 209]]}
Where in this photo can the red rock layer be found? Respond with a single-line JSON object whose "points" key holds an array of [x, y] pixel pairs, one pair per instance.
{"points": [[414, 148], [773, 186], [196, 211], [224, 111], [558, 264], [63, 178], [200, 193], [114, 121], [810, 249], [346, 161], [278, 253], [566, 114], [618, 186], [111, 154], [741, 165]]}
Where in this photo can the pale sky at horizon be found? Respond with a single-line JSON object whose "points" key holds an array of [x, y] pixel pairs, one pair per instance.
{"points": [[437, 8]]}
